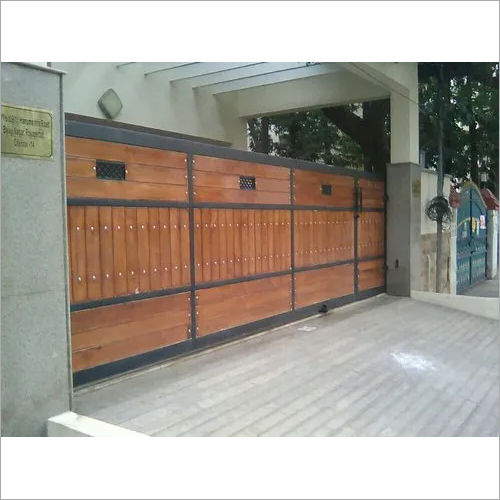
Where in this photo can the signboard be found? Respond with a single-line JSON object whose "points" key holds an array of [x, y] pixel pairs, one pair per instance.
{"points": [[26, 132], [482, 221]]}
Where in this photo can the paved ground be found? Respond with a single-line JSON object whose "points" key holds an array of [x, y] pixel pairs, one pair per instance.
{"points": [[385, 367], [487, 288]]}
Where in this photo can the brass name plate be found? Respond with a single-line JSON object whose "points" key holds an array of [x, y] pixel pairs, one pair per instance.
{"points": [[26, 132]]}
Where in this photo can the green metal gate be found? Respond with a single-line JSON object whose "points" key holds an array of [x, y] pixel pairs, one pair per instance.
{"points": [[471, 238]]}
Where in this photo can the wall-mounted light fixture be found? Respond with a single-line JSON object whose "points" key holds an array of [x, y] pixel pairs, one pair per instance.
{"points": [[110, 104]]}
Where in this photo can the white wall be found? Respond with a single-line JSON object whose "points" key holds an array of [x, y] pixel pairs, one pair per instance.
{"points": [[151, 101]]}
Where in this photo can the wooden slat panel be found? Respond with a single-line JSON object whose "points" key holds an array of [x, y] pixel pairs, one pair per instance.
{"points": [[230, 242], [205, 194], [106, 251], [244, 242], [322, 284], [231, 181], [264, 238], [132, 250], [258, 240], [154, 249], [207, 258], [372, 193], [235, 167], [198, 255], [307, 189], [175, 247], [165, 249], [120, 251], [80, 187], [68, 251], [251, 242], [93, 253], [230, 305], [186, 267], [115, 332], [80, 167], [237, 243], [222, 259], [214, 244], [143, 249], [371, 234], [156, 175], [371, 274], [103, 150], [78, 253]]}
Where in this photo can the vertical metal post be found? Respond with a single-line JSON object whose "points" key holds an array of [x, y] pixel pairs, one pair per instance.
{"points": [[192, 271], [292, 236], [440, 174]]}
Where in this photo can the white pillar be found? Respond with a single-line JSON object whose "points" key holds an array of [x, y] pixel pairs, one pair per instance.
{"points": [[492, 256]]}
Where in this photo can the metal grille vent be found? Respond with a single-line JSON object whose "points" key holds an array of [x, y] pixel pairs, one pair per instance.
{"points": [[326, 189], [247, 182], [110, 170]]}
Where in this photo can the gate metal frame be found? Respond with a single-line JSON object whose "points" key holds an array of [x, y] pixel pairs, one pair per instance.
{"points": [[91, 128], [467, 247]]}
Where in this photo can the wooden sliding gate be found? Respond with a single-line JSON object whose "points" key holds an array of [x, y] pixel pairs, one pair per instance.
{"points": [[175, 245]]}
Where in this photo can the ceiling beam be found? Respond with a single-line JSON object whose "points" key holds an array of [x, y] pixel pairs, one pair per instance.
{"points": [[211, 69], [274, 77], [237, 74], [162, 67], [124, 64]]}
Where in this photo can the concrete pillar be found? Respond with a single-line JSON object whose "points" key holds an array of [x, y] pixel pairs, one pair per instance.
{"points": [[492, 234], [403, 228], [35, 354]]}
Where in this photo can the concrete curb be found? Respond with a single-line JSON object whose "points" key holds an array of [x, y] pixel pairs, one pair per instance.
{"points": [[70, 424], [486, 307]]}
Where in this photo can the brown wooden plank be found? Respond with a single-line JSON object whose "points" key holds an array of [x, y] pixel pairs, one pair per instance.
{"points": [[223, 307], [80, 167], [132, 250], [93, 253], [244, 243], [143, 249], [322, 284], [68, 253], [115, 351], [264, 240], [165, 249], [236, 167], [232, 181], [372, 193], [371, 234], [78, 253], [198, 255], [80, 187], [206, 194], [120, 251], [371, 274], [101, 317], [237, 243], [308, 184], [230, 242], [205, 234], [106, 251], [221, 217], [104, 150], [288, 234], [258, 243], [156, 175], [251, 241], [175, 247], [154, 249], [185, 265], [214, 244]]}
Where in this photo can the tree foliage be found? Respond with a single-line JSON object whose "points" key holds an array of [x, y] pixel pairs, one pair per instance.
{"points": [[358, 135]]}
